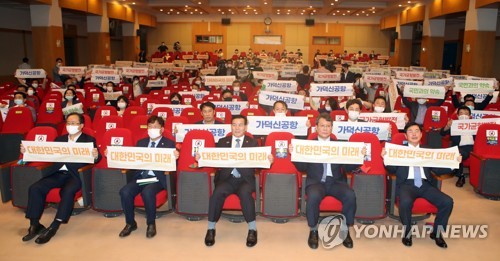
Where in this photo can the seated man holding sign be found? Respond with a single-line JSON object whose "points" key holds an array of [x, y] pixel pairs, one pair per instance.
{"points": [[417, 182], [64, 176], [239, 181], [208, 114], [325, 179], [146, 182]]}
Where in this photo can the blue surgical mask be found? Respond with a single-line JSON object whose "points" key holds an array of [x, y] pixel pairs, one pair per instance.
{"points": [[18, 101]]}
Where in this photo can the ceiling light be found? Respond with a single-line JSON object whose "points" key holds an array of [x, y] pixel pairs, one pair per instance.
{"points": [[201, 12], [373, 12], [191, 12], [314, 11], [265, 3], [218, 10], [177, 12], [338, 11], [185, 10], [248, 6], [409, 2], [199, 3], [310, 6], [196, 10], [400, 5], [357, 14], [332, 4], [171, 10], [343, 14], [334, 14], [133, 3], [161, 10], [348, 11], [186, 6], [229, 10], [373, 7], [232, 12], [222, 12], [168, 13]]}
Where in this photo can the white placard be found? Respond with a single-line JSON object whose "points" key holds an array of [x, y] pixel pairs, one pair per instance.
{"points": [[314, 151], [424, 91], [326, 77], [219, 80], [104, 71], [123, 63], [105, 78], [156, 83], [78, 152], [409, 75], [474, 86], [470, 127], [72, 70], [198, 95], [289, 73], [396, 117], [112, 96], [161, 159], [479, 97], [263, 125], [384, 79], [254, 157], [439, 82], [283, 86], [235, 106], [218, 130], [78, 108], [265, 75], [293, 101], [344, 129], [331, 89], [477, 114], [176, 108], [135, 71], [30, 73], [398, 155]]}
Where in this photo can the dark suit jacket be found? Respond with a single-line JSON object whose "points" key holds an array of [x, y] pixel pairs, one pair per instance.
{"points": [[349, 79], [477, 105], [246, 173], [162, 143], [413, 105], [315, 171], [73, 167], [215, 122], [242, 96]]}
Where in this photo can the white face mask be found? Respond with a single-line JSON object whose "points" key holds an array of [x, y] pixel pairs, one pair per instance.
{"points": [[353, 115], [109, 89], [72, 129], [198, 82], [236, 89], [122, 105], [280, 114], [328, 108], [154, 133], [30, 92], [378, 109], [136, 82], [69, 98], [421, 101], [463, 117], [34, 85], [471, 107], [18, 101]]}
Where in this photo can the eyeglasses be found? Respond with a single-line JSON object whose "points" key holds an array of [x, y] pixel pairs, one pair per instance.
{"points": [[72, 123]]}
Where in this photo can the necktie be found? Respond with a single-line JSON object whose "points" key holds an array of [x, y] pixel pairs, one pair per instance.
{"points": [[145, 173], [235, 172], [325, 172], [417, 179]]}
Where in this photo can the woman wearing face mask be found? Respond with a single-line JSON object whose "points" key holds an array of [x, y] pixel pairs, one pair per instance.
{"points": [[137, 86], [69, 98], [175, 98], [121, 104], [33, 97], [331, 104], [353, 109], [465, 143], [380, 106]]}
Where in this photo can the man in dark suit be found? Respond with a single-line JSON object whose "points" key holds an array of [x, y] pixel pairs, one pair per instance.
{"points": [[208, 113], [156, 126], [323, 182], [237, 91], [411, 184], [239, 181], [469, 101], [64, 176], [418, 108], [346, 76]]}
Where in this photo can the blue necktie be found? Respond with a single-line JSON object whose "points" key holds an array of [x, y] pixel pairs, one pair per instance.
{"points": [[417, 178], [235, 172]]}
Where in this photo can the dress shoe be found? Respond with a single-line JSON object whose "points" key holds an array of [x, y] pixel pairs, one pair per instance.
{"points": [[313, 239], [461, 181], [210, 237], [128, 229], [407, 241], [348, 241], [252, 238], [33, 231], [46, 235], [151, 231], [439, 241]]}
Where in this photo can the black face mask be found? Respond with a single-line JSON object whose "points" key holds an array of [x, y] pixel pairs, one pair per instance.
{"points": [[175, 102], [228, 99]]}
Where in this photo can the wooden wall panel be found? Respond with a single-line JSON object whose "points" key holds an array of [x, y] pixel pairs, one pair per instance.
{"points": [[482, 3], [436, 8], [479, 61], [99, 46], [402, 54], [389, 22], [403, 17], [48, 44], [130, 48], [130, 15], [416, 14], [260, 28], [320, 30], [454, 6], [432, 58], [95, 7], [74, 5], [215, 28]]}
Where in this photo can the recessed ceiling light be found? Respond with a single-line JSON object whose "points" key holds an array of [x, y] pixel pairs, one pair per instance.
{"points": [[310, 6], [265, 3], [185, 10], [334, 14], [177, 12], [186, 6], [357, 14], [191, 12], [133, 3], [201, 12], [222, 12], [199, 3], [400, 5], [338, 11], [348, 11], [409, 2], [332, 4], [168, 13], [343, 14], [218, 10], [314, 11], [373, 12], [171, 10], [161, 10], [248, 6], [232, 12], [229, 10], [196, 10]]}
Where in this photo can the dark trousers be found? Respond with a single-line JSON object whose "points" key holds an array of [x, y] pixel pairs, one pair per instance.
{"points": [[465, 152], [38, 193], [227, 187], [337, 189], [148, 193], [408, 193]]}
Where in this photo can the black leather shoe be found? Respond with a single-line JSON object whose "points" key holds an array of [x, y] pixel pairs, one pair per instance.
{"points": [[128, 229], [348, 241], [461, 181], [252, 238], [407, 241], [439, 241], [33, 231], [210, 237], [151, 231], [313, 239], [46, 235]]}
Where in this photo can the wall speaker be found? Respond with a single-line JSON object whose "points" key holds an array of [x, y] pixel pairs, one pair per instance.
{"points": [[309, 22], [225, 21]]}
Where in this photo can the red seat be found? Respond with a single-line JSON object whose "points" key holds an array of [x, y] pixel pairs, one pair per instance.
{"points": [[485, 161], [130, 113], [192, 114], [102, 112], [253, 112], [148, 104], [223, 114], [50, 114], [339, 115], [171, 121], [18, 120], [435, 118], [107, 123], [163, 112], [139, 127]]}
